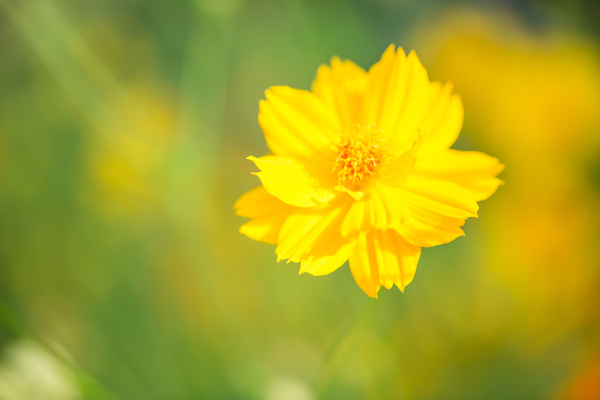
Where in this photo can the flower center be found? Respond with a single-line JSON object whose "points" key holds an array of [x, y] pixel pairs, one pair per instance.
{"points": [[360, 154]]}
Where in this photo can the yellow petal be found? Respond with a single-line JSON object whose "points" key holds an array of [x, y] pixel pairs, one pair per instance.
{"points": [[396, 258], [443, 120], [355, 220], [364, 266], [396, 208], [297, 123], [311, 232], [267, 211], [342, 87], [323, 261], [442, 197], [382, 209], [396, 98], [437, 211], [264, 229], [395, 172], [355, 195], [383, 258], [426, 228], [472, 170], [377, 87], [258, 202], [291, 181]]}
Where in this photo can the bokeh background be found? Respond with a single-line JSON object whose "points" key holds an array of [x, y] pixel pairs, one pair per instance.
{"points": [[124, 127]]}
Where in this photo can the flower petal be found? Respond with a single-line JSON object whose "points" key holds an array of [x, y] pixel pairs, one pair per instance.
{"points": [[471, 170], [264, 229], [258, 202], [297, 123], [395, 172], [356, 195], [377, 87], [443, 121], [267, 211], [397, 210], [312, 233], [396, 258], [383, 258], [292, 182], [437, 211], [396, 98], [356, 221], [323, 262], [439, 196], [382, 209], [426, 228], [342, 87], [364, 266]]}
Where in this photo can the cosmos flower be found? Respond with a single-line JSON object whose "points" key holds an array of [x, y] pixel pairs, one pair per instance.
{"points": [[361, 171]]}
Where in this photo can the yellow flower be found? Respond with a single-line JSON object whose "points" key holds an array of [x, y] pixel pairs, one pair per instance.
{"points": [[361, 170]]}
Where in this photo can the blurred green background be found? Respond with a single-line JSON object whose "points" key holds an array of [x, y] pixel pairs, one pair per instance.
{"points": [[124, 127]]}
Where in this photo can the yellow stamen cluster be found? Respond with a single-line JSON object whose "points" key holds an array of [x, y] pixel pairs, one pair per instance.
{"points": [[360, 153]]}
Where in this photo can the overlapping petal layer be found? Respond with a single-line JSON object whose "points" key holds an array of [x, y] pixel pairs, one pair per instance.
{"points": [[342, 88], [293, 181], [267, 212], [383, 258], [313, 237]]}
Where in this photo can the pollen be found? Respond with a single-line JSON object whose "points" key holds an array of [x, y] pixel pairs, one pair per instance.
{"points": [[360, 153]]}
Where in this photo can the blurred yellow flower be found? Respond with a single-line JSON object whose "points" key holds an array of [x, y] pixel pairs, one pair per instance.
{"points": [[538, 91], [362, 171], [535, 99], [128, 158]]}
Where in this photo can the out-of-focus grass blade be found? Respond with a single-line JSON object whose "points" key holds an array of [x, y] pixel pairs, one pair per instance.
{"points": [[89, 387], [78, 72]]}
